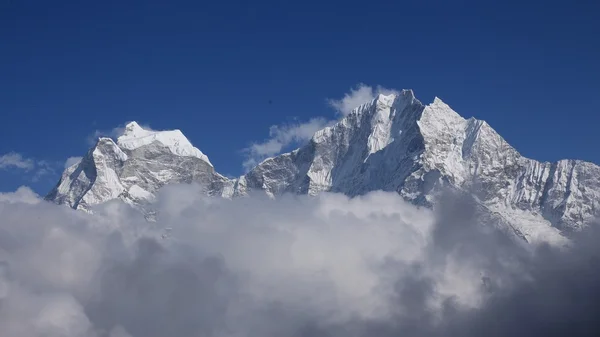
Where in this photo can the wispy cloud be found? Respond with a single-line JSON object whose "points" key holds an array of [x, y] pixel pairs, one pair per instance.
{"points": [[112, 133], [361, 94], [44, 168], [32, 169], [282, 136], [16, 160]]}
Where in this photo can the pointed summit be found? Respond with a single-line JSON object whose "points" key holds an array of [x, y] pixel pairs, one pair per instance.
{"points": [[385, 100], [391, 142], [133, 129], [438, 102]]}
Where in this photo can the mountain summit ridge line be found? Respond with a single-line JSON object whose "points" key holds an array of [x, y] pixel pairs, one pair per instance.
{"points": [[392, 143]]}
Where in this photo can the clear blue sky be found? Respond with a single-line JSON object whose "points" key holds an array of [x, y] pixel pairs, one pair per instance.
{"points": [[224, 71]]}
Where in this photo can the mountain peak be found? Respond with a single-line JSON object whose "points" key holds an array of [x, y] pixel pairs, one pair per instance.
{"points": [[385, 100], [135, 137], [389, 97], [133, 129], [134, 167], [386, 96], [407, 93], [393, 142], [438, 101]]}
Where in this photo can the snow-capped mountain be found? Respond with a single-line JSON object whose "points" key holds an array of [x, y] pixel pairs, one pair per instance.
{"points": [[393, 143], [134, 167]]}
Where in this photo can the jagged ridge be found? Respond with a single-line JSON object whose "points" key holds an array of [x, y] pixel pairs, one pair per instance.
{"points": [[393, 143]]}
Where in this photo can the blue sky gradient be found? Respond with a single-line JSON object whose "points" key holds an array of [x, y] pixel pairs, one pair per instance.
{"points": [[224, 72]]}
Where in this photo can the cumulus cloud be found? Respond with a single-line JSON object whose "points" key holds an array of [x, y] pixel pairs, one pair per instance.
{"points": [[16, 160], [294, 266], [72, 161], [361, 94], [281, 136], [22, 195]]}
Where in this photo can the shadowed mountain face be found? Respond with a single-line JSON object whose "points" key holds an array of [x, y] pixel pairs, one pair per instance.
{"points": [[393, 143]]}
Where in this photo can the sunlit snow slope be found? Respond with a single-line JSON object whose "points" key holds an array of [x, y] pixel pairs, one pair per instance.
{"points": [[393, 143]]}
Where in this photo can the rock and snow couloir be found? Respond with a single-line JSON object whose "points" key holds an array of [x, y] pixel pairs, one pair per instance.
{"points": [[392, 143]]}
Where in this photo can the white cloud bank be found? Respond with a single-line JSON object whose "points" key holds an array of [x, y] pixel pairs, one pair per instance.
{"points": [[294, 266]]}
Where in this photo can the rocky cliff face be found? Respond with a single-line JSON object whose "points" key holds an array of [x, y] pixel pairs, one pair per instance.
{"points": [[393, 143]]}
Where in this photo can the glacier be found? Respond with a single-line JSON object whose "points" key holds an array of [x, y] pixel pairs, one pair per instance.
{"points": [[393, 143]]}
